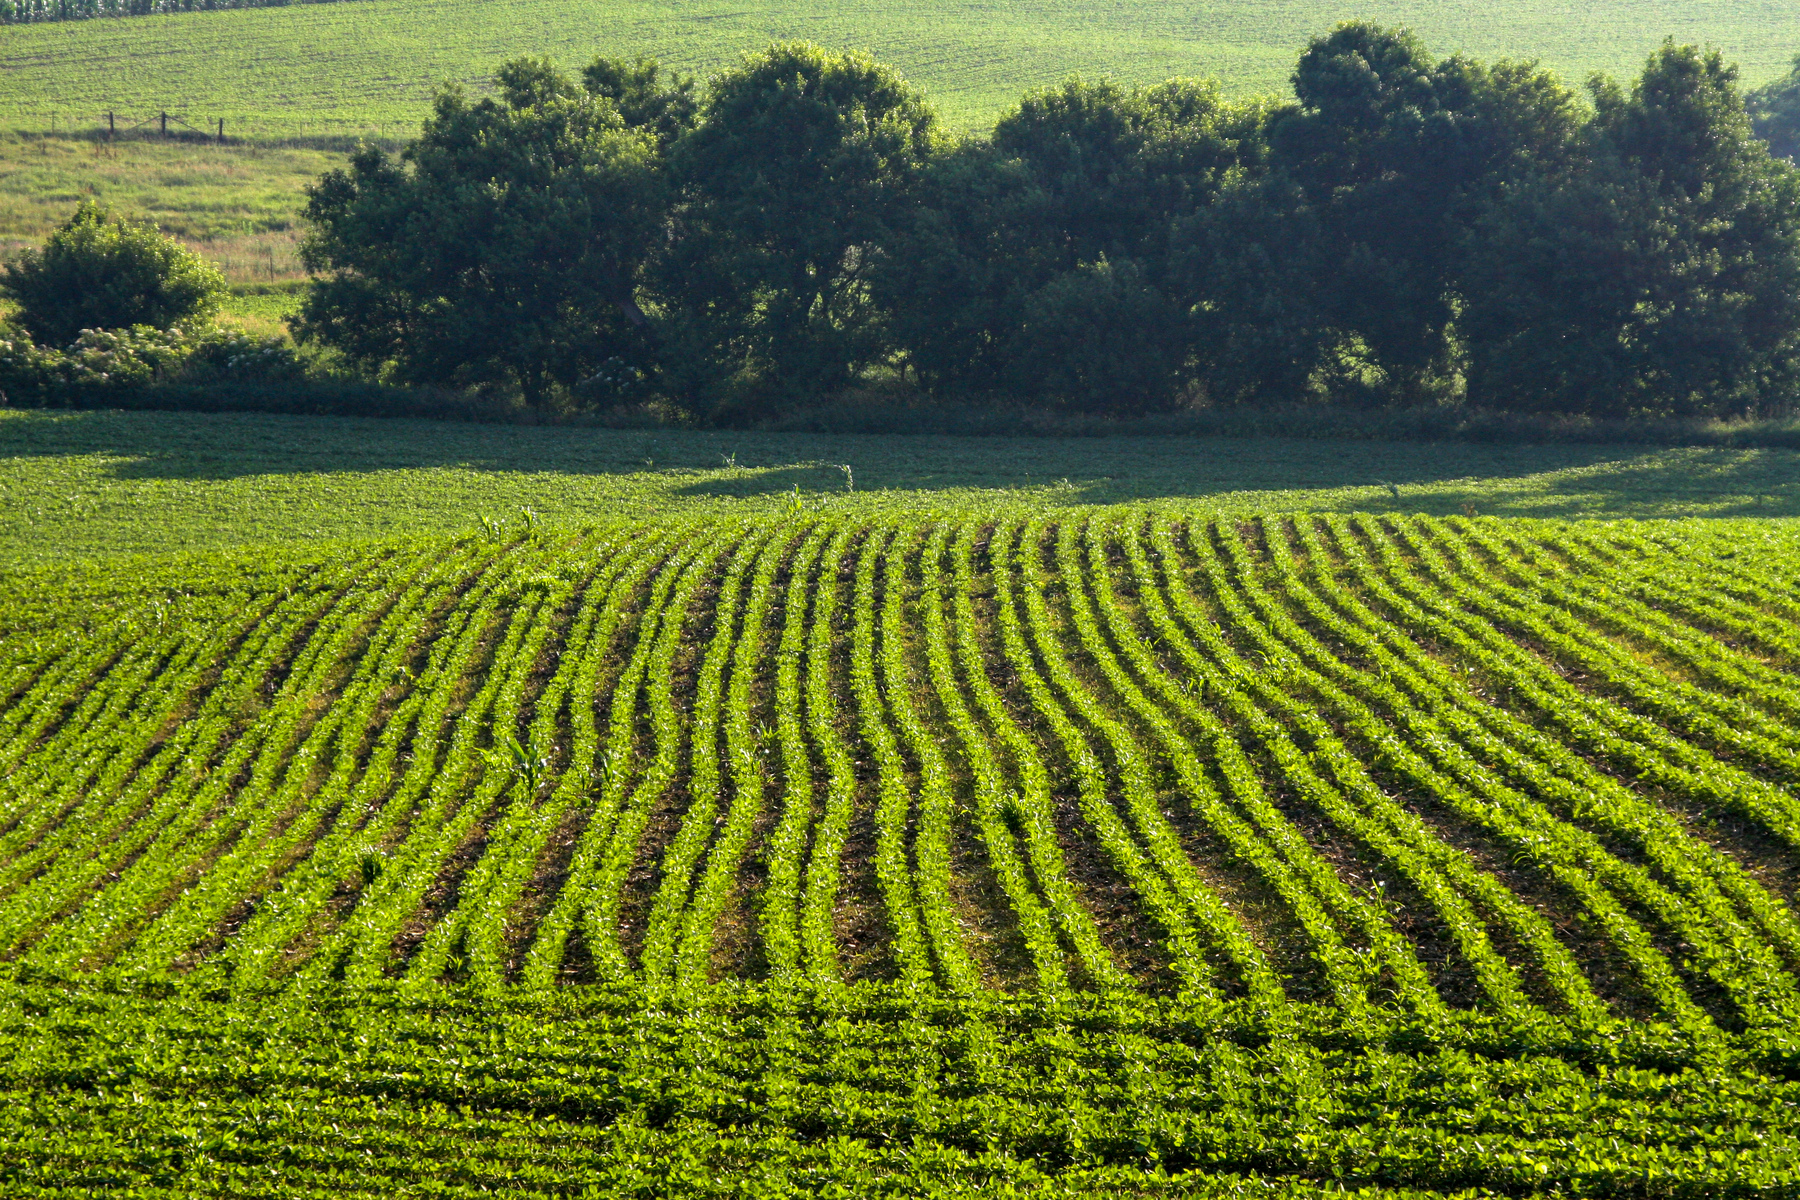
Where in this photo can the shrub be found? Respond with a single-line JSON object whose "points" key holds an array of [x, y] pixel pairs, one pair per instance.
{"points": [[106, 360], [99, 271]]}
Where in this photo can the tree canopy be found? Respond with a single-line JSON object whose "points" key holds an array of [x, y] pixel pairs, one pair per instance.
{"points": [[1406, 230]]}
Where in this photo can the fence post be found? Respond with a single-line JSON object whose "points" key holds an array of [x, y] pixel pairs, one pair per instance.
{"points": [[165, 124], [111, 129], [221, 131]]}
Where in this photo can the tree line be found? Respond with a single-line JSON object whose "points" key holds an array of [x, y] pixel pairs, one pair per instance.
{"points": [[1405, 232]]}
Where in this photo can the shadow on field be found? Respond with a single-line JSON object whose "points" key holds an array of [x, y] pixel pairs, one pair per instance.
{"points": [[1271, 473]]}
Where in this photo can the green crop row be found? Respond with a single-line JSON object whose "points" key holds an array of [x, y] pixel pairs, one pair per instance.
{"points": [[1393, 852]]}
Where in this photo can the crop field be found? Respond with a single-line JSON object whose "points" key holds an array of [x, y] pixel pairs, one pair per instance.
{"points": [[368, 65], [1100, 850]]}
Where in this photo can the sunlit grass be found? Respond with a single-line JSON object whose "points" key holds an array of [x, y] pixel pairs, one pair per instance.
{"points": [[76, 484]]}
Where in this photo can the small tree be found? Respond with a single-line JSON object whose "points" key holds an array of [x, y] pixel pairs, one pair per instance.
{"points": [[99, 271]]}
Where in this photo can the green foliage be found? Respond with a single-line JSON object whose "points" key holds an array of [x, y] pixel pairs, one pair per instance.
{"points": [[643, 99], [980, 852], [502, 250], [1658, 271], [1047, 264], [114, 360], [1390, 153], [801, 165], [99, 271], [1399, 237]]}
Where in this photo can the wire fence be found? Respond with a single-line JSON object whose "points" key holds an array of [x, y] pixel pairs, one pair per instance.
{"points": [[185, 123]]}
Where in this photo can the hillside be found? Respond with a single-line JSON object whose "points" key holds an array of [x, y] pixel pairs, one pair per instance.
{"points": [[370, 63]]}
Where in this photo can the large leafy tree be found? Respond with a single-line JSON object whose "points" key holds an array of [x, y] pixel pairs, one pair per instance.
{"points": [[1658, 272], [1038, 264], [504, 249], [1391, 153], [801, 164]]}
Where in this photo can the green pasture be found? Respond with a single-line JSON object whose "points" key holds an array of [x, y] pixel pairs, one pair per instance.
{"points": [[370, 64], [79, 484]]}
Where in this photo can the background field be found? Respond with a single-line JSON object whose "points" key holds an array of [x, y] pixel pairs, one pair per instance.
{"points": [[75, 484], [371, 64]]}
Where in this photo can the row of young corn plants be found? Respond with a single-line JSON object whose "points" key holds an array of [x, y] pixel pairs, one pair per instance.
{"points": [[893, 799], [500, 881], [677, 865], [514, 842], [217, 871], [111, 751], [1031, 801], [612, 767], [778, 908], [602, 906], [1594, 585], [1352, 698], [347, 860], [936, 797], [1256, 833], [993, 800], [818, 902], [181, 787], [1222, 927], [1147, 868], [1629, 738], [1344, 793], [1549, 612], [1549, 769], [743, 749], [690, 909]]}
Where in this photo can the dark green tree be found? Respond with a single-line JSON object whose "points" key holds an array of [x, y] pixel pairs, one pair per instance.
{"points": [[1393, 153], [1658, 273], [1028, 251], [99, 271], [801, 164], [1775, 113], [504, 249]]}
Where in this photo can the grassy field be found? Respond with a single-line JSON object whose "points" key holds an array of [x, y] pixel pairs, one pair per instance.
{"points": [[368, 65], [80, 484], [912, 845], [239, 204]]}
